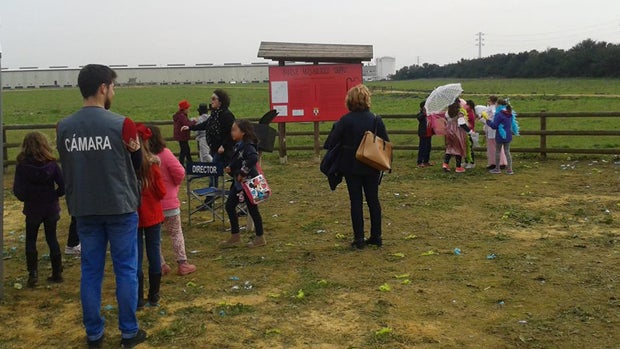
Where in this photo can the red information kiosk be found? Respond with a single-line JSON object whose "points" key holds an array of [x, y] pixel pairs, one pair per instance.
{"points": [[312, 92]]}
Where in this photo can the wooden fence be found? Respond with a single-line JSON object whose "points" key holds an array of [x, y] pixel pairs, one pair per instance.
{"points": [[543, 133]]}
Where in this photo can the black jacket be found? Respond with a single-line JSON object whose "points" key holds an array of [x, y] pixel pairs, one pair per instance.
{"points": [[39, 185], [243, 162], [349, 131], [217, 128]]}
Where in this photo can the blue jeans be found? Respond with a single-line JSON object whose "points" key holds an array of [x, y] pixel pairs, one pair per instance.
{"points": [[95, 232], [151, 237]]}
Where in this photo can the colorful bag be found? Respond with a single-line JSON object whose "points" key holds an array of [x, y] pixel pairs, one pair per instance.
{"points": [[375, 151], [256, 189]]}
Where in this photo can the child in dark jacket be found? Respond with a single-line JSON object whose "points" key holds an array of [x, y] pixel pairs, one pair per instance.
{"points": [[242, 165], [39, 183], [150, 217], [424, 133]]}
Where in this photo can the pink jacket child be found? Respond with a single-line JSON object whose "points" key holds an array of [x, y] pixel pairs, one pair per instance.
{"points": [[172, 173]]}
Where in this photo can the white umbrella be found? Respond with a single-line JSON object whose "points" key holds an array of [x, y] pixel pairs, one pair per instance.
{"points": [[442, 97]]}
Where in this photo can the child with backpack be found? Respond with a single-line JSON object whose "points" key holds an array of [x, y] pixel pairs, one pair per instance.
{"points": [[505, 124], [150, 217], [242, 165], [38, 184]]}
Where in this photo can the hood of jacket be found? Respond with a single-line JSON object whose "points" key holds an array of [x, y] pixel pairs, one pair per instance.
{"points": [[36, 171]]}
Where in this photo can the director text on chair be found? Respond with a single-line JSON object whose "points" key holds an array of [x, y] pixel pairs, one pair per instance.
{"points": [[198, 175]]}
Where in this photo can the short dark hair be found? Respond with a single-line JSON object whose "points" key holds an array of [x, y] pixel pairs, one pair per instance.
{"points": [[92, 76], [223, 97]]}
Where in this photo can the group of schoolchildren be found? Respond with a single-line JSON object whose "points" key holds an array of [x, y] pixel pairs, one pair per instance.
{"points": [[498, 119], [39, 184]]}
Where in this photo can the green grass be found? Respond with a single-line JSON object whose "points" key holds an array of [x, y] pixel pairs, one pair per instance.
{"points": [[512, 86], [391, 97]]}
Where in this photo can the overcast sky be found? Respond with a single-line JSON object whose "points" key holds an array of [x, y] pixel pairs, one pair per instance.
{"points": [[75, 32]]}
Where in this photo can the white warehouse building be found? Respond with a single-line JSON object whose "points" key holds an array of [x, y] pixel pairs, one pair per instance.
{"points": [[148, 74]]}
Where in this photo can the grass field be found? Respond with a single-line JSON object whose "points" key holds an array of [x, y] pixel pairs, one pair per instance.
{"points": [[554, 283], [394, 97], [553, 227]]}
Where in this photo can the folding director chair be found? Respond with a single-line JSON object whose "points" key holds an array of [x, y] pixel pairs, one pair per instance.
{"points": [[199, 176]]}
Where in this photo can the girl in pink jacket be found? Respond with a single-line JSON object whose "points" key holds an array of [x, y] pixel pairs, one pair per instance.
{"points": [[172, 173]]}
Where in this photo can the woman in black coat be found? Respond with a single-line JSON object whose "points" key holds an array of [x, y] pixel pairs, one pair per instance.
{"points": [[349, 131], [217, 128]]}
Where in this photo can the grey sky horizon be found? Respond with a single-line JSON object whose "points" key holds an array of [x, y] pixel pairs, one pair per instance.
{"points": [[50, 33]]}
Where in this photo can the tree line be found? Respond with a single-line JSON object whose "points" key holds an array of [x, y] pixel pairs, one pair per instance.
{"points": [[588, 58]]}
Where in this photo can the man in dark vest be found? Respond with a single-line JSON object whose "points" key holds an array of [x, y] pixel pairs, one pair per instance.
{"points": [[100, 153]]}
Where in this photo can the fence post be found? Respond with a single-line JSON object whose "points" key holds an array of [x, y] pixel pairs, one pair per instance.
{"points": [[543, 137], [317, 142], [282, 142], [5, 151]]}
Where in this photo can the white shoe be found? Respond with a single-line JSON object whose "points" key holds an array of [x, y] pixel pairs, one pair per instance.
{"points": [[75, 251], [470, 166]]}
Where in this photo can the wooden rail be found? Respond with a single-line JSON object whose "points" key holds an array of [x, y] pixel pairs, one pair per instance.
{"points": [[283, 148]]}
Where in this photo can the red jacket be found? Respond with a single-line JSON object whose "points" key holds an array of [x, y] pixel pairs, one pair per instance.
{"points": [[150, 211], [181, 119]]}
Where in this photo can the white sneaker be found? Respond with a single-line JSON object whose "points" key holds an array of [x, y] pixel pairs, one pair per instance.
{"points": [[470, 166], [75, 251]]}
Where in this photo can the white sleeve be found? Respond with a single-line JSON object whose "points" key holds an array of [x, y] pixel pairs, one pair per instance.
{"points": [[461, 121]]}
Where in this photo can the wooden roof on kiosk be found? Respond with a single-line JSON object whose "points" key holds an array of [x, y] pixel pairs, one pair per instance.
{"points": [[319, 53]]}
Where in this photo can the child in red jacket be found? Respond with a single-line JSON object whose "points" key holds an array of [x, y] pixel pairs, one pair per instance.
{"points": [[151, 215], [181, 119]]}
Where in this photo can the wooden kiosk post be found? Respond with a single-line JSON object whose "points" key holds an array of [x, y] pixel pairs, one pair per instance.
{"points": [[316, 91]]}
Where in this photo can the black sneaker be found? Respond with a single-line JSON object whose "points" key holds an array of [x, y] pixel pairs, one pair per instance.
{"points": [[358, 245], [135, 340], [375, 242], [491, 167], [96, 344]]}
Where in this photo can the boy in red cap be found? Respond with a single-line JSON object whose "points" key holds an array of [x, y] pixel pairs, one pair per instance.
{"points": [[180, 119]]}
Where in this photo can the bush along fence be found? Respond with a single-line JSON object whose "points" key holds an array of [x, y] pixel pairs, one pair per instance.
{"points": [[543, 133]]}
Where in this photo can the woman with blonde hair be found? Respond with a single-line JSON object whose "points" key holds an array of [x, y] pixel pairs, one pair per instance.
{"points": [[361, 179]]}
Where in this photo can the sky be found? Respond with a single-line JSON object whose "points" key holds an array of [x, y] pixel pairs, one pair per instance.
{"points": [[44, 33]]}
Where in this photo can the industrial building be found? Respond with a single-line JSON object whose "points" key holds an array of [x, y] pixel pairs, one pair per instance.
{"points": [[146, 74], [386, 66], [170, 74]]}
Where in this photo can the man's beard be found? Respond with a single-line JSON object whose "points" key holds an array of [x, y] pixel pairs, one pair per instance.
{"points": [[107, 104]]}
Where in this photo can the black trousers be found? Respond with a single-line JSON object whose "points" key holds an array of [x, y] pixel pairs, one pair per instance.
{"points": [[49, 226], [231, 209], [424, 150], [73, 239], [369, 186], [185, 156], [459, 159]]}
